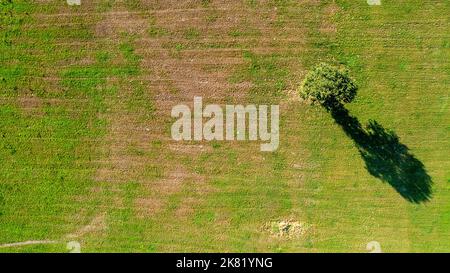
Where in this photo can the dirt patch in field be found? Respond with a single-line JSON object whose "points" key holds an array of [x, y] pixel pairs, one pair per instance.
{"points": [[148, 206], [331, 9], [328, 26], [187, 207], [31, 105], [181, 65], [157, 192], [187, 49], [123, 22], [193, 149], [374, 2]]}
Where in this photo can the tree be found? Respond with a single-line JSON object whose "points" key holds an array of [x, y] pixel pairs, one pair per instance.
{"points": [[328, 85]]}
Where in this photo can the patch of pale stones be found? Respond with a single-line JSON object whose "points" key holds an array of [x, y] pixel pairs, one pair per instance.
{"points": [[287, 228], [374, 2], [74, 2]]}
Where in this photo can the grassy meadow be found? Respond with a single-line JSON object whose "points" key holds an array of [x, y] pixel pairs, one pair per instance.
{"points": [[85, 148]]}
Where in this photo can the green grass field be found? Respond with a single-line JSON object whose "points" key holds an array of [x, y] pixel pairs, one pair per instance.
{"points": [[85, 147]]}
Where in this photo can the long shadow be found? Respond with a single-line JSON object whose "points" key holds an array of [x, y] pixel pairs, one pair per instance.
{"points": [[385, 157]]}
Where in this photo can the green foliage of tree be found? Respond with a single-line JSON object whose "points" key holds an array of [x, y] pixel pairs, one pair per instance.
{"points": [[328, 85]]}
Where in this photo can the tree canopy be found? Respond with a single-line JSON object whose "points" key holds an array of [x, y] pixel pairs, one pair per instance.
{"points": [[328, 85]]}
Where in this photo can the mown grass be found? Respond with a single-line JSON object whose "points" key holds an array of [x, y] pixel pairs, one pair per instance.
{"points": [[376, 44], [44, 157], [50, 148]]}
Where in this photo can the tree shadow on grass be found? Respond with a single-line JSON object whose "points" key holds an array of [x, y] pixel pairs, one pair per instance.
{"points": [[385, 157]]}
